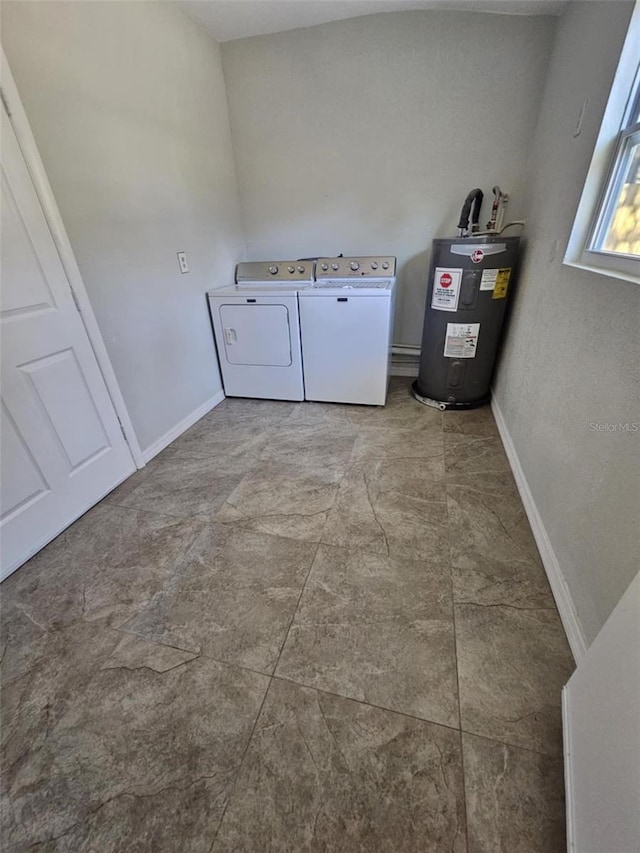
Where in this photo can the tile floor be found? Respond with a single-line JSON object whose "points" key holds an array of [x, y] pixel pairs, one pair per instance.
{"points": [[302, 627]]}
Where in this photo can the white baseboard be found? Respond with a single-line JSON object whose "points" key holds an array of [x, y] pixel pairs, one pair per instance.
{"points": [[568, 770], [181, 427], [403, 370], [559, 588]]}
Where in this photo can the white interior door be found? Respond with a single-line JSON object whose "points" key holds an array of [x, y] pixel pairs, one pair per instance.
{"points": [[61, 444]]}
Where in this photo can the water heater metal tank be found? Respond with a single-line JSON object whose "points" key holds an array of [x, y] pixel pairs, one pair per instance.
{"points": [[470, 282]]}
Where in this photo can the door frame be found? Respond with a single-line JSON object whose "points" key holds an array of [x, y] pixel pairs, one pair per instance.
{"points": [[27, 143]]}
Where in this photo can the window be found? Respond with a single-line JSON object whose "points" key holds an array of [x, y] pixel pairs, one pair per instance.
{"points": [[606, 232], [617, 226]]}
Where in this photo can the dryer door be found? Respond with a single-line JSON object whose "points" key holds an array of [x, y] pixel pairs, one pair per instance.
{"points": [[256, 334]]}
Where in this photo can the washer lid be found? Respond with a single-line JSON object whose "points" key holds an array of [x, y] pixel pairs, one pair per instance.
{"points": [[353, 287]]}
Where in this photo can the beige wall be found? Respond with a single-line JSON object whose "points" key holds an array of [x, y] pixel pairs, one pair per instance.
{"points": [[573, 348], [128, 108], [364, 136]]}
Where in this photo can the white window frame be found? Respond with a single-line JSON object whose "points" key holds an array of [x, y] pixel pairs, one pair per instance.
{"points": [[607, 169]]}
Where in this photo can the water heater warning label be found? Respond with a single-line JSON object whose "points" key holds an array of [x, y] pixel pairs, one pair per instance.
{"points": [[502, 284], [461, 340], [497, 281], [446, 288]]}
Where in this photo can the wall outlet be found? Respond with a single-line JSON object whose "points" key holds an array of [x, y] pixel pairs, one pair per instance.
{"points": [[182, 262]]}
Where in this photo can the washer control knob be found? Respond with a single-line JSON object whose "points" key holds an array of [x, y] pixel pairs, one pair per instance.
{"points": [[324, 267], [273, 269], [374, 265], [291, 269], [301, 268], [335, 266], [385, 265], [354, 265]]}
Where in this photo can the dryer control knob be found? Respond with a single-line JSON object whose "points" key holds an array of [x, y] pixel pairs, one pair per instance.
{"points": [[301, 269], [374, 265], [335, 266], [354, 265], [385, 265], [291, 269], [324, 267], [273, 269]]}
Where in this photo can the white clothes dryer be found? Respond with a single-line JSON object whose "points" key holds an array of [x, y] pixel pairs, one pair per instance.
{"points": [[256, 325]]}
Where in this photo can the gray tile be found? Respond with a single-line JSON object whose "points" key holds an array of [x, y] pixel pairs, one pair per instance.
{"points": [[512, 664], [515, 799], [284, 499], [414, 529], [312, 414], [402, 411], [377, 629], [188, 486], [513, 658], [22, 641], [494, 559], [466, 454], [485, 580], [225, 441], [312, 445], [373, 445], [487, 519], [131, 739], [470, 422], [138, 477], [50, 685], [268, 412], [324, 773], [124, 757], [232, 599], [226, 554], [134, 652], [421, 478], [106, 566], [399, 394], [410, 414], [392, 507]]}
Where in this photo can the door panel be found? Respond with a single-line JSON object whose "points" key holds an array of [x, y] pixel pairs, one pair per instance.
{"points": [[25, 288], [62, 447], [60, 388], [256, 334], [22, 481]]}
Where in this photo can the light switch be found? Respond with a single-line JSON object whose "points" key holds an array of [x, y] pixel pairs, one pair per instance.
{"points": [[182, 262]]}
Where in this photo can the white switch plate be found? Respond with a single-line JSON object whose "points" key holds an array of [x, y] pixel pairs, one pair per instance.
{"points": [[182, 262]]}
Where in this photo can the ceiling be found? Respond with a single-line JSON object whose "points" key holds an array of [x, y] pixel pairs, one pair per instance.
{"points": [[233, 19]]}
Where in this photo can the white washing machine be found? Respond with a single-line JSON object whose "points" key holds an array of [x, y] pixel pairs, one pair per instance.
{"points": [[256, 324], [346, 320]]}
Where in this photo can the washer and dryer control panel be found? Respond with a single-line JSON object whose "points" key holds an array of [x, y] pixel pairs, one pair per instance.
{"points": [[278, 272], [367, 267]]}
